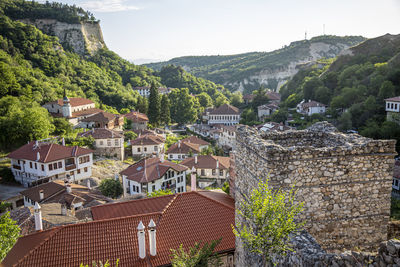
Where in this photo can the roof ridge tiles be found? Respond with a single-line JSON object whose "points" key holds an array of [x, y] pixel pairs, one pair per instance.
{"points": [[212, 199], [48, 152], [169, 204]]}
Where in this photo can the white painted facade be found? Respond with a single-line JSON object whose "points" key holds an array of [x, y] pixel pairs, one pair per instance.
{"points": [[179, 157], [227, 138], [27, 172], [56, 108], [392, 106], [176, 181], [146, 150]]}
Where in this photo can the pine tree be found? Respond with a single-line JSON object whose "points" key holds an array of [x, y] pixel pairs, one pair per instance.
{"points": [[165, 114], [142, 104], [154, 105]]}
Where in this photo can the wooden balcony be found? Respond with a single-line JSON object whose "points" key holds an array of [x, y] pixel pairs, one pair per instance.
{"points": [[70, 167]]}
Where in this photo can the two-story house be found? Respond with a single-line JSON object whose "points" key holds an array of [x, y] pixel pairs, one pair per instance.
{"points": [[153, 174], [36, 163], [310, 107], [267, 110], [108, 143], [392, 108], [148, 144], [225, 114], [181, 150], [138, 120], [103, 120], [195, 140], [210, 169]]}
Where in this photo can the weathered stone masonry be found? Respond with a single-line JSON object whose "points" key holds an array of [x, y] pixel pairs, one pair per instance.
{"points": [[344, 181]]}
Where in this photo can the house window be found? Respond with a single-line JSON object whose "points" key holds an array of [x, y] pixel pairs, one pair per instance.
{"points": [[60, 165], [138, 149], [213, 172], [35, 166], [203, 173], [50, 167], [171, 156], [108, 142], [101, 142], [153, 188], [85, 169], [84, 159], [30, 165], [42, 168], [155, 148], [221, 173], [116, 142], [55, 165], [145, 149], [179, 156], [79, 171]]}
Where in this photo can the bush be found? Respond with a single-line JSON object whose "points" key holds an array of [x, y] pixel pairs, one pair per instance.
{"points": [[160, 193], [111, 188], [225, 187]]}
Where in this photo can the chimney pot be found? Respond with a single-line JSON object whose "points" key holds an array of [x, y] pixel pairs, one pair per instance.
{"points": [[63, 209], [69, 188], [38, 217], [88, 184], [141, 240], [195, 159], [193, 179], [152, 238], [41, 194], [37, 156]]}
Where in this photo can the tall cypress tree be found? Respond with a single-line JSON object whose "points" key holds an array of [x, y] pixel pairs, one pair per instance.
{"points": [[165, 114], [154, 105]]}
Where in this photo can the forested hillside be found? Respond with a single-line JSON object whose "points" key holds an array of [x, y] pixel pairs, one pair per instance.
{"points": [[354, 87], [249, 71], [35, 68]]}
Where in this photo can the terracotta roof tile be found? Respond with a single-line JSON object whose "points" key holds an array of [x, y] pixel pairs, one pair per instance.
{"points": [[187, 218], [102, 133], [136, 116], [225, 109], [86, 112], [74, 101], [312, 104], [195, 140], [207, 162], [148, 139], [150, 169], [393, 99], [101, 117], [183, 148], [48, 152], [49, 190]]}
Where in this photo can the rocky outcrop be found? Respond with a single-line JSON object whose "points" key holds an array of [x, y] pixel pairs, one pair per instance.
{"points": [[83, 38], [344, 181]]}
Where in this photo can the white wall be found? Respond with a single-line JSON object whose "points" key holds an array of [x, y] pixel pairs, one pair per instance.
{"points": [[392, 106], [149, 149], [224, 119]]}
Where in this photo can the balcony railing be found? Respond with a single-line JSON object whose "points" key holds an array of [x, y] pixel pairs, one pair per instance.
{"points": [[70, 167]]}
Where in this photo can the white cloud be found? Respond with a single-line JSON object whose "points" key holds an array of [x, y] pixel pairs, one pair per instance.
{"points": [[108, 6]]}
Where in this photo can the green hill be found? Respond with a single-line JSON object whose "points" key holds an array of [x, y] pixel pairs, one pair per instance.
{"points": [[249, 71]]}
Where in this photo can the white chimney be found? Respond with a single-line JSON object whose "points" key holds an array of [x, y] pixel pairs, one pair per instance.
{"points": [[69, 190], [38, 217], [179, 143], [217, 164], [195, 159], [41, 194], [141, 240], [88, 184], [63, 141], [63, 209], [36, 144], [193, 179], [37, 156], [152, 238]]}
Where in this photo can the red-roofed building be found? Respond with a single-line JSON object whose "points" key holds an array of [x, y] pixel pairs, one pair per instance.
{"points": [[225, 114], [36, 163], [138, 120], [310, 107], [103, 120], [181, 150], [148, 144], [183, 219], [153, 174]]}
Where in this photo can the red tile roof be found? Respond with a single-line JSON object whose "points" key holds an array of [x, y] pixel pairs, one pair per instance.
{"points": [[102, 133], [195, 140], [207, 162], [393, 99], [188, 218], [85, 112], [136, 116], [150, 169], [312, 104], [102, 116], [183, 148], [74, 101], [225, 109], [48, 152], [148, 139], [49, 189]]}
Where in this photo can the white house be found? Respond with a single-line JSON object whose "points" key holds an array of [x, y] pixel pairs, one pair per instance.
{"points": [[267, 109], [153, 174], [310, 107], [148, 144], [103, 120], [392, 108], [195, 140], [181, 150], [107, 142], [225, 114], [145, 90], [36, 163], [210, 169], [227, 138], [138, 120]]}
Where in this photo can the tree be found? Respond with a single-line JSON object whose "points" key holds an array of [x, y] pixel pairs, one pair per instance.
{"points": [[260, 98], [237, 99], [165, 116], [225, 187], [130, 135], [154, 105], [62, 127], [279, 116], [159, 193], [205, 100], [182, 110], [9, 233], [268, 219], [111, 188], [197, 256], [142, 104]]}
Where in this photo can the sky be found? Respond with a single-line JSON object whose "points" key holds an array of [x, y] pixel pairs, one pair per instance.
{"points": [[158, 30]]}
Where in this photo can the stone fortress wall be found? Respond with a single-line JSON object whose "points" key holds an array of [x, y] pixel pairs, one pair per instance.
{"points": [[344, 181]]}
